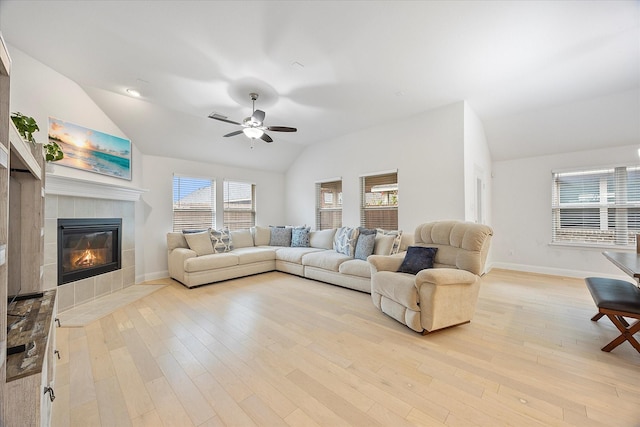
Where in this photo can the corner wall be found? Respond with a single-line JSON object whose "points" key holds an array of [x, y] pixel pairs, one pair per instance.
{"points": [[158, 202], [427, 150], [522, 214], [41, 92]]}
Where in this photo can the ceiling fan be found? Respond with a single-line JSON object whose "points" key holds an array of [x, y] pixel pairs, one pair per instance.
{"points": [[253, 126]]}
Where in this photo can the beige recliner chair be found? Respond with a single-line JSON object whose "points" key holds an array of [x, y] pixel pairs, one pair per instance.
{"points": [[444, 295]]}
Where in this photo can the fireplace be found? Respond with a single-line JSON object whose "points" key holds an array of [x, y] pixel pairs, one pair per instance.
{"points": [[88, 247]]}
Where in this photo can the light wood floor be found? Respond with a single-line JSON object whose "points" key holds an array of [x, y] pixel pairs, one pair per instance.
{"points": [[275, 349]]}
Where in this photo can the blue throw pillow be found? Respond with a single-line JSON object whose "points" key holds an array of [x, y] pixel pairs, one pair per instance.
{"points": [[300, 237], [365, 245], [417, 258]]}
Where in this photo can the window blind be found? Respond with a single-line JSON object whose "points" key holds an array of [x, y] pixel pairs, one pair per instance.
{"points": [[194, 201], [328, 205], [597, 206], [239, 205], [379, 201]]}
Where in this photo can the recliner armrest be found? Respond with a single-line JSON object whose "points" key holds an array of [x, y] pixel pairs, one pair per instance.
{"points": [[385, 262], [445, 276]]}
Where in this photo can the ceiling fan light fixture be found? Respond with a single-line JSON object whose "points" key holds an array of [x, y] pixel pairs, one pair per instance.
{"points": [[253, 133]]}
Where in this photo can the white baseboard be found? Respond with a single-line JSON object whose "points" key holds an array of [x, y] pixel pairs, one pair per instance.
{"points": [[152, 276], [556, 271]]}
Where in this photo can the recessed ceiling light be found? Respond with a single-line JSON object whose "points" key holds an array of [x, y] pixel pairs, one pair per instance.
{"points": [[133, 92]]}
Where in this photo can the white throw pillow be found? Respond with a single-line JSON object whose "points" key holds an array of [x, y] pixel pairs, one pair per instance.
{"points": [[200, 243], [384, 245]]}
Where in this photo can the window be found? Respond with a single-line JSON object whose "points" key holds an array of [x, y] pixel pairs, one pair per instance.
{"points": [[596, 207], [194, 201], [379, 204], [239, 205], [328, 205]]}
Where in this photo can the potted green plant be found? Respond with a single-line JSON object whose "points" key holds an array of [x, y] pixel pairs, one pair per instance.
{"points": [[26, 127], [52, 152]]}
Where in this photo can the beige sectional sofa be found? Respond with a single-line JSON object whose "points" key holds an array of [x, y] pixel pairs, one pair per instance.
{"points": [[253, 254]]}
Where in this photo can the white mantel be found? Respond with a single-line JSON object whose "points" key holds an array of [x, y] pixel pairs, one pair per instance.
{"points": [[67, 186]]}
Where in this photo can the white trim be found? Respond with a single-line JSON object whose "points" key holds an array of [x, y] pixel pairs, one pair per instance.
{"points": [[67, 186], [324, 181], [378, 173], [556, 271]]}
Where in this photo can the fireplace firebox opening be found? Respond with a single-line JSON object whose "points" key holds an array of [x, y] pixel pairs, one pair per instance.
{"points": [[88, 247]]}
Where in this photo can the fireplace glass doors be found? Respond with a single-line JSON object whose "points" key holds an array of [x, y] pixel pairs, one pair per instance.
{"points": [[88, 247]]}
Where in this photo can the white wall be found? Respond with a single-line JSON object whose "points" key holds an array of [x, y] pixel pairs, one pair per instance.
{"points": [[477, 165], [41, 92], [158, 203], [522, 214], [426, 149]]}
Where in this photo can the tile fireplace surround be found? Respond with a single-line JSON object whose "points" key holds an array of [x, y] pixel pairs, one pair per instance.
{"points": [[65, 205]]}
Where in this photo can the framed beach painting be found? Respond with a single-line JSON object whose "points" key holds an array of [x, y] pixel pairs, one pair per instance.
{"points": [[91, 150]]}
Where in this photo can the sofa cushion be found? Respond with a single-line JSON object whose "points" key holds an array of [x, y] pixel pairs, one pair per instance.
{"points": [[366, 243], [384, 245], [344, 241], [261, 235], [241, 238], [417, 258], [322, 239], [254, 254], [356, 267], [300, 237], [280, 236], [200, 242], [210, 262], [221, 240], [294, 254], [327, 260]]}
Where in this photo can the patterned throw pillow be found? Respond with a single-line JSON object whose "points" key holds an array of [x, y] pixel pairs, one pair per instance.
{"points": [[300, 237], [417, 258], [396, 242], [366, 243], [221, 240], [344, 241], [280, 236]]}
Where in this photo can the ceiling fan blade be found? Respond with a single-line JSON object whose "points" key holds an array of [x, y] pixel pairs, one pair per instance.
{"points": [[238, 132], [266, 138], [222, 118], [282, 129], [258, 116]]}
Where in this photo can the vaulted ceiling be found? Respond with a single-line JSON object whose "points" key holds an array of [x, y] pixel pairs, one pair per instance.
{"points": [[543, 76]]}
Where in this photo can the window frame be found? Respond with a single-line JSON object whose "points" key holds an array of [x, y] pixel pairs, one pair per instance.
{"points": [[380, 179], [601, 207], [178, 226], [228, 212], [335, 211]]}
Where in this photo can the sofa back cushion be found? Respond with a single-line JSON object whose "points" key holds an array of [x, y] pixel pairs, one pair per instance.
{"points": [[261, 235], [241, 238], [322, 239], [463, 245]]}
